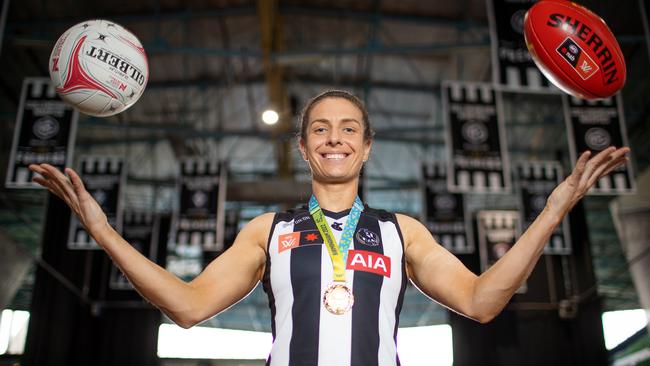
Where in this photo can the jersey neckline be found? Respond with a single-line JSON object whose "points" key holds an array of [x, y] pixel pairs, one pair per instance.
{"points": [[336, 215]]}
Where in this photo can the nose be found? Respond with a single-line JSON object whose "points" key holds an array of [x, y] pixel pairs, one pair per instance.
{"points": [[334, 137]]}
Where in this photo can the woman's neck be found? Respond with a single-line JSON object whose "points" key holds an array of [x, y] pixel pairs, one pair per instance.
{"points": [[335, 197]]}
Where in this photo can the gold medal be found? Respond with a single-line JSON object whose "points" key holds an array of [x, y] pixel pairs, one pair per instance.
{"points": [[338, 298]]}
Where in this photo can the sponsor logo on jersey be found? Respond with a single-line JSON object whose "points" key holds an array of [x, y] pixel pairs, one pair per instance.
{"points": [[362, 260], [288, 241], [581, 62], [367, 237], [337, 226], [310, 237]]}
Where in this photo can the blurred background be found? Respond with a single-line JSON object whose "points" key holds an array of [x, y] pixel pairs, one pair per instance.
{"points": [[215, 66]]}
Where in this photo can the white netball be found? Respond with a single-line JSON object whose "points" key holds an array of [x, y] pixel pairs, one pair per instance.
{"points": [[99, 67]]}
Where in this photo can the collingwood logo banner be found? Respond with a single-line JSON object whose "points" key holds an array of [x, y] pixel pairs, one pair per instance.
{"points": [[596, 125], [536, 180], [513, 68], [140, 229], [476, 145], [44, 133], [498, 231], [444, 212], [198, 221], [104, 178]]}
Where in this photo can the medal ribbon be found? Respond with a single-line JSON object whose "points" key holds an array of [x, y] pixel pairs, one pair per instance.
{"points": [[338, 252]]}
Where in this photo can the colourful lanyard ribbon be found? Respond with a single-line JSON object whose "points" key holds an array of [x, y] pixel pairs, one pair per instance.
{"points": [[338, 253]]}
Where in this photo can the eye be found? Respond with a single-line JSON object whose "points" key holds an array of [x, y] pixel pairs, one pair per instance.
{"points": [[349, 129], [319, 129]]}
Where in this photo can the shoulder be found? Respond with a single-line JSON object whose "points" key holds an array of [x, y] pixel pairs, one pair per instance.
{"points": [[379, 214], [257, 230], [411, 228]]}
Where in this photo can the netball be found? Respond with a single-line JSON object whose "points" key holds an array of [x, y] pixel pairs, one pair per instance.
{"points": [[99, 67], [574, 49]]}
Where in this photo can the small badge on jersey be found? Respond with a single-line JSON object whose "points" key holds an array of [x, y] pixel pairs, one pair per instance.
{"points": [[367, 237], [363, 260], [288, 241]]}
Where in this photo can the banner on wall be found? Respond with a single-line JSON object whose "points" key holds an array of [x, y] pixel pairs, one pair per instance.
{"points": [[536, 180], [104, 178], [444, 213], [198, 222], [596, 125], [513, 68], [498, 231], [44, 133], [140, 229], [476, 145]]}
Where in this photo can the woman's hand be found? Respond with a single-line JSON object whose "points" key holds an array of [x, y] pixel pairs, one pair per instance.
{"points": [[585, 174], [73, 192]]}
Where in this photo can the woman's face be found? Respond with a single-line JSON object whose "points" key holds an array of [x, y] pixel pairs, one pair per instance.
{"points": [[335, 148]]}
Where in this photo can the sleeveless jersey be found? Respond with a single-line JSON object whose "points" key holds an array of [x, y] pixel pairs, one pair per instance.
{"points": [[298, 271]]}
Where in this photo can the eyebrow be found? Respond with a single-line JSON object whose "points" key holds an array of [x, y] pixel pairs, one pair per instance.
{"points": [[325, 120]]}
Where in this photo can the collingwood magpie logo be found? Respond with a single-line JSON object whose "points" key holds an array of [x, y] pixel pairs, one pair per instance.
{"points": [[367, 237]]}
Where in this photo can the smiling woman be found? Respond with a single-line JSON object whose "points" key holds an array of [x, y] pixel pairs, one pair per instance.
{"points": [[335, 295]]}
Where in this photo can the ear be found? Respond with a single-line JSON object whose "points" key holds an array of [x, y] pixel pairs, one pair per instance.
{"points": [[367, 147], [303, 149]]}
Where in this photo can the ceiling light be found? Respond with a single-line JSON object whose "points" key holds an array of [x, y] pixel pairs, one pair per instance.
{"points": [[270, 117]]}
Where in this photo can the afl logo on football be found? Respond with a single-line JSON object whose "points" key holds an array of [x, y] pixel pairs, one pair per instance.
{"points": [[46, 127], [474, 132], [367, 237], [597, 138]]}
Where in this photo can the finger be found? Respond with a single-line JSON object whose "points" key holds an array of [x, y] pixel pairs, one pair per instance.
{"points": [[605, 169], [44, 182], [62, 182], [604, 164], [580, 167], [600, 158], [77, 183]]}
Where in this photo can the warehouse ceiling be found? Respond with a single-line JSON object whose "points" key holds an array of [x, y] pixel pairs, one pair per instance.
{"points": [[214, 68]]}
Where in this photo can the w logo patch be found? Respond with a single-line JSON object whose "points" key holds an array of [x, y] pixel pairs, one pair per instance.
{"points": [[288, 241], [577, 58]]}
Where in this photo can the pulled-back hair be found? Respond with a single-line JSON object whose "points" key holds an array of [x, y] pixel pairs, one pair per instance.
{"points": [[368, 133]]}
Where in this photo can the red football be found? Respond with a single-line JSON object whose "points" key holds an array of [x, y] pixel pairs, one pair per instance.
{"points": [[575, 49]]}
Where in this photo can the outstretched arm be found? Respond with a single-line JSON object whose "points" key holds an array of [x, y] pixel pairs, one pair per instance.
{"points": [[443, 277], [224, 282]]}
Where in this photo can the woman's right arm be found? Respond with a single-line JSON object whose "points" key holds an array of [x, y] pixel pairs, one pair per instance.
{"points": [[224, 282]]}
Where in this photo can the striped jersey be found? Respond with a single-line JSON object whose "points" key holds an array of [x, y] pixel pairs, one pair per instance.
{"points": [[299, 270]]}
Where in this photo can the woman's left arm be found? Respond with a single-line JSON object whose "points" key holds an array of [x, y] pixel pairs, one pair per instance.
{"points": [[483, 297]]}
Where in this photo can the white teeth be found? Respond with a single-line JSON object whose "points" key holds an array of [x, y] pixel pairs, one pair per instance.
{"points": [[334, 156]]}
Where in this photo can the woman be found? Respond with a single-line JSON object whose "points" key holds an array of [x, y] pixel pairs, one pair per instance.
{"points": [[335, 274]]}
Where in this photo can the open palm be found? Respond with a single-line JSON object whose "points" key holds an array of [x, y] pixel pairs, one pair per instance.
{"points": [[585, 174], [72, 191]]}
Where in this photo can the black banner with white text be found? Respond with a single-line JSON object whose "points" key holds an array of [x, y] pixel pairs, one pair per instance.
{"points": [[104, 178], [476, 145], [444, 212], [44, 133], [140, 229], [536, 180], [595, 126], [513, 68], [198, 224]]}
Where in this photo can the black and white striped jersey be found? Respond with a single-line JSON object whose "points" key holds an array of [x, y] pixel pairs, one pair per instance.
{"points": [[298, 271]]}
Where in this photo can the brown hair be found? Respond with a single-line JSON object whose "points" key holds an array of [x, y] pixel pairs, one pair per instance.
{"points": [[368, 133]]}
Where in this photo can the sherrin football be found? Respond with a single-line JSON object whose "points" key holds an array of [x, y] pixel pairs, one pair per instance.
{"points": [[575, 49]]}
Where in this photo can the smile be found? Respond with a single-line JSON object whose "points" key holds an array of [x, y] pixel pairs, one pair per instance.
{"points": [[337, 156]]}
